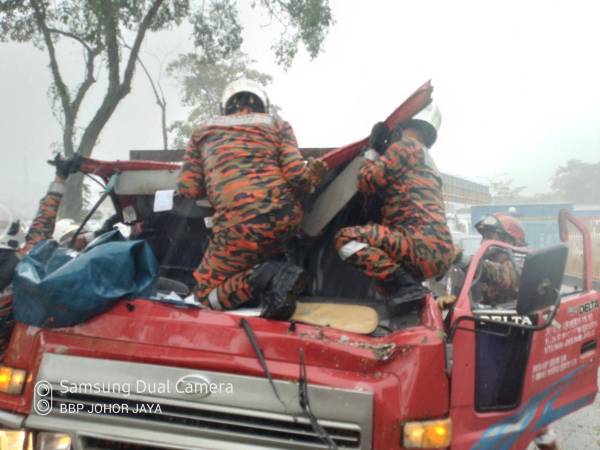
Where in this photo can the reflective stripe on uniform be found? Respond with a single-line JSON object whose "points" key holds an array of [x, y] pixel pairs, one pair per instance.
{"points": [[56, 188], [213, 299], [241, 119], [349, 249]]}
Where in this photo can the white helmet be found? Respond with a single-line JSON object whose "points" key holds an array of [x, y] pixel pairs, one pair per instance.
{"points": [[428, 120], [64, 230], [239, 86]]}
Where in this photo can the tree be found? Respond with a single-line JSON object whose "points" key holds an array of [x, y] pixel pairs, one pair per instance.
{"points": [[161, 100], [99, 26], [577, 182], [504, 192], [202, 82]]}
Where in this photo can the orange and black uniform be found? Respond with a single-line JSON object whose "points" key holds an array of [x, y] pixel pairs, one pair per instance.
{"points": [[41, 229], [42, 226], [413, 234], [499, 277], [250, 169]]}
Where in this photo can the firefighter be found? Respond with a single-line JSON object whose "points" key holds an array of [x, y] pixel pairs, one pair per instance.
{"points": [[247, 163], [413, 242], [41, 228], [499, 278]]}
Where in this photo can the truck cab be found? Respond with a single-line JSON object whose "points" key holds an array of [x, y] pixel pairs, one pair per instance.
{"points": [[151, 375]]}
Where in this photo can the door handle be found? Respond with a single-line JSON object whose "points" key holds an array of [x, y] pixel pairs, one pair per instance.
{"points": [[589, 345]]}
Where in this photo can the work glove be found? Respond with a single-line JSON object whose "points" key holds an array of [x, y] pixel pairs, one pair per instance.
{"points": [[318, 169], [65, 167], [379, 138], [445, 301]]}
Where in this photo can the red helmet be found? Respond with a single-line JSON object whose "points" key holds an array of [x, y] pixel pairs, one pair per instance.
{"points": [[509, 228]]}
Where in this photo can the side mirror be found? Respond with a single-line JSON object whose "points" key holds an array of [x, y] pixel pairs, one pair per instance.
{"points": [[539, 288], [541, 279]]}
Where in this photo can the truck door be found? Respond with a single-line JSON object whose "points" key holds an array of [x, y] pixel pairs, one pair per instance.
{"points": [[509, 383]]}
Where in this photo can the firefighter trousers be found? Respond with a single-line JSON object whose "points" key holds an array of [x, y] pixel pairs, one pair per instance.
{"points": [[379, 251], [232, 254]]}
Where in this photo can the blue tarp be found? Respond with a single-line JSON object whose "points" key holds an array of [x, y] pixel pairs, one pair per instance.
{"points": [[57, 287]]}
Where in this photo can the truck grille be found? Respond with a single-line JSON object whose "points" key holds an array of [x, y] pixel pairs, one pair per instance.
{"points": [[294, 431], [249, 416], [104, 444]]}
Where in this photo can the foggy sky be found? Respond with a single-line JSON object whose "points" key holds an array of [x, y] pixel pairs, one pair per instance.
{"points": [[517, 83]]}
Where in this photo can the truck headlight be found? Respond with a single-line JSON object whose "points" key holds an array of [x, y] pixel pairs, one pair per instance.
{"points": [[13, 440], [11, 380], [53, 441], [428, 434]]}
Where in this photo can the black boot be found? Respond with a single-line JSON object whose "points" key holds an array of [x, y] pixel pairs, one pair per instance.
{"points": [[403, 292], [277, 285]]}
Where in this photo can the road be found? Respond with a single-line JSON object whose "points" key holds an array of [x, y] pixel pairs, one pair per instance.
{"points": [[581, 431]]}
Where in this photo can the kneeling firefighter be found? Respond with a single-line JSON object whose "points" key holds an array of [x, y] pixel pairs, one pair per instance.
{"points": [[413, 242], [247, 163]]}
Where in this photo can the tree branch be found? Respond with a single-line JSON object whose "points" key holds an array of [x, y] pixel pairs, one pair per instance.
{"points": [[113, 96], [135, 49], [72, 36], [160, 100], [90, 55], [150, 80], [62, 89], [112, 46], [87, 82]]}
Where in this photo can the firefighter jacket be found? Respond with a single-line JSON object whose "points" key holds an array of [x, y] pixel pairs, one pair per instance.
{"points": [[246, 165], [410, 185], [42, 226], [499, 277]]}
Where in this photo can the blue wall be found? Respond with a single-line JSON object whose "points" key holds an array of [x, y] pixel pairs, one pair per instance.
{"points": [[540, 221]]}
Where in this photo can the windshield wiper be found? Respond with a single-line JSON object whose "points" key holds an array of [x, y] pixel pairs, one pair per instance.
{"points": [[305, 405], [302, 386], [261, 358]]}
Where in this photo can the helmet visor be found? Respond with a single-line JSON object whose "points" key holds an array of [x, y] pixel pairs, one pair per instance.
{"points": [[244, 100]]}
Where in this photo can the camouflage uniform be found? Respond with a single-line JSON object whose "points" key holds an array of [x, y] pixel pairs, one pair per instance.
{"points": [[499, 277], [250, 169], [42, 226], [413, 234], [41, 229]]}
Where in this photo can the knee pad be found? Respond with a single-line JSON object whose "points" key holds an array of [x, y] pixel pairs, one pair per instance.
{"points": [[350, 248]]}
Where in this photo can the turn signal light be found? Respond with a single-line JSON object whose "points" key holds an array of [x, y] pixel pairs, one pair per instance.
{"points": [[53, 441], [11, 380], [15, 440], [428, 434]]}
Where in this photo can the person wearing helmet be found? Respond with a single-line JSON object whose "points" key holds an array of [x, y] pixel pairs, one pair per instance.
{"points": [[247, 163], [499, 281], [499, 274], [41, 228], [413, 241]]}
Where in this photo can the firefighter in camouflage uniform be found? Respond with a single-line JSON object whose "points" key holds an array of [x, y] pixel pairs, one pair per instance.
{"points": [[499, 274], [499, 281], [41, 228], [413, 241], [247, 163]]}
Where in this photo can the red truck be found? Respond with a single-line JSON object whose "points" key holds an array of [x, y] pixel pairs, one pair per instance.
{"points": [[151, 375]]}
